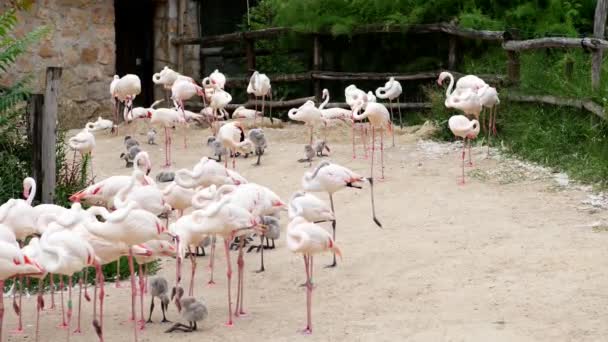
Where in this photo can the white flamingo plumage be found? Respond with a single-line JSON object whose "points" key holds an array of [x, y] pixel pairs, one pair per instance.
{"points": [[357, 97], [330, 178], [84, 143], [229, 135], [105, 190], [130, 226], [224, 219], [464, 128], [218, 102], [205, 173], [309, 114], [259, 86], [125, 90], [101, 124], [310, 207], [379, 119], [244, 113], [391, 91], [308, 239], [166, 118], [12, 262], [166, 77], [178, 197], [18, 215]]}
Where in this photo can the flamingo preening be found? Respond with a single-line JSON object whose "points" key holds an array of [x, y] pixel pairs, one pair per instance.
{"points": [[391, 91], [259, 86], [464, 128]]}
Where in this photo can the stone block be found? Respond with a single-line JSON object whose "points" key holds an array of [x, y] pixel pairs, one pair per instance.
{"points": [[107, 54], [89, 55], [46, 50]]}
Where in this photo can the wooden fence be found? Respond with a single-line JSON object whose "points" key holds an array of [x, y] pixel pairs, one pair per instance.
{"points": [[42, 131], [509, 41]]}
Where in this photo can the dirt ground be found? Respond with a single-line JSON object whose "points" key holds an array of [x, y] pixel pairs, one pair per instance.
{"points": [[494, 260]]}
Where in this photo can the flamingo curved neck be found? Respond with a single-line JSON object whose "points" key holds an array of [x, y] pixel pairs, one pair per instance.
{"points": [[448, 92], [32, 194], [322, 106]]}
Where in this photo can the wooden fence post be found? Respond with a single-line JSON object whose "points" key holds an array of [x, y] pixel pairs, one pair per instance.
{"points": [[250, 53], [181, 22], [35, 117], [452, 53], [316, 65], [599, 25], [513, 66], [46, 135]]}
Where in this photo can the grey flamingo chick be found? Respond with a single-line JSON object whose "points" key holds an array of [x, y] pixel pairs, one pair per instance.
{"points": [[273, 232], [310, 154], [159, 287], [258, 139], [193, 311]]}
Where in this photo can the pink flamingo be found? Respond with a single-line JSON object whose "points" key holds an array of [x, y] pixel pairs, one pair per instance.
{"points": [[464, 128], [379, 119], [309, 239]]}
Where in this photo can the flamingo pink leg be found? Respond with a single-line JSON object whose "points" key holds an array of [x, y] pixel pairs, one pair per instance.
{"points": [[167, 144], [353, 138], [133, 296], [98, 324], [382, 154], [308, 267], [211, 262], [364, 137], [470, 161], [228, 276], [39, 306], [63, 324], [393, 132], [373, 151], [193, 263], [141, 322], [19, 329], [463, 152], [263, 101], [69, 305], [78, 331], [238, 311], [52, 286]]}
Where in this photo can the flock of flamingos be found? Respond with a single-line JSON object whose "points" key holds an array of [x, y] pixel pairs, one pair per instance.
{"points": [[124, 218]]}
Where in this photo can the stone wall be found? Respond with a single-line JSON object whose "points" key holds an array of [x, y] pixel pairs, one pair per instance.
{"points": [[82, 41]]}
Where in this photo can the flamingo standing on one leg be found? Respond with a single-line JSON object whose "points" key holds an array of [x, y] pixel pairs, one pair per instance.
{"points": [[391, 91], [218, 101], [330, 178], [259, 86], [354, 96], [309, 114], [309, 239], [488, 97], [379, 119], [462, 127], [167, 118], [84, 143], [125, 90], [229, 136]]}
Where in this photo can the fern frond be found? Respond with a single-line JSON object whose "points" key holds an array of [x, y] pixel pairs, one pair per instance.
{"points": [[9, 97], [18, 46]]}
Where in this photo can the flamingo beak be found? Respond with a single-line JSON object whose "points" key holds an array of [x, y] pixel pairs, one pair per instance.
{"points": [[26, 192], [439, 81], [75, 198], [278, 204]]}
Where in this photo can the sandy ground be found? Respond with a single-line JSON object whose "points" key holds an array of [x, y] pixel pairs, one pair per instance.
{"points": [[489, 261]]}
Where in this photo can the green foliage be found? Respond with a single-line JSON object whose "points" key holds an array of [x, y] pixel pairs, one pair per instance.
{"points": [[531, 17]]}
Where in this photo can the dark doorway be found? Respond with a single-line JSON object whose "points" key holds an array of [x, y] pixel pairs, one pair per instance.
{"points": [[135, 44]]}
